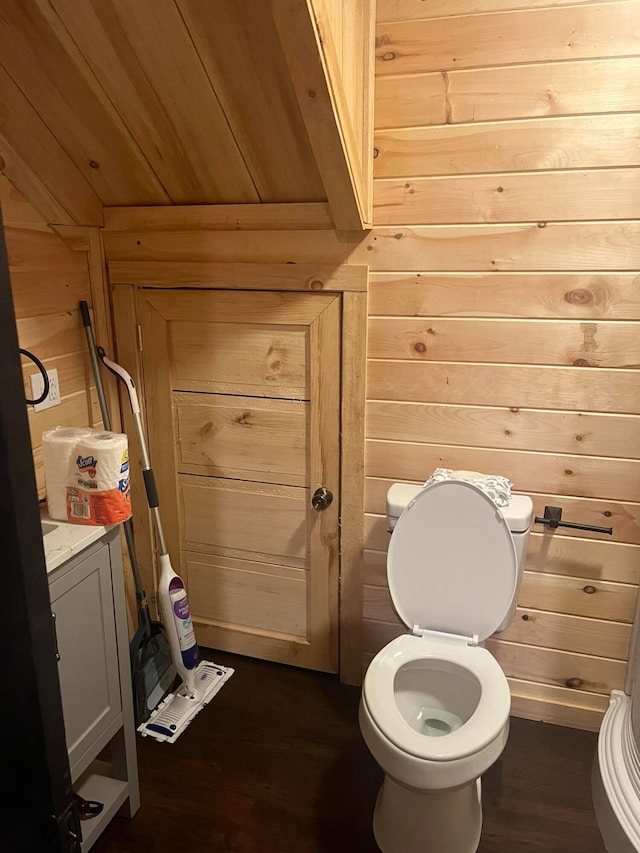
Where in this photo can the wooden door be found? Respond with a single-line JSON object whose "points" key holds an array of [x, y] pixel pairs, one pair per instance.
{"points": [[243, 399]]}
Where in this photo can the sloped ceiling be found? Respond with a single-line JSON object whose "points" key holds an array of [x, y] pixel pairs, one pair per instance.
{"points": [[149, 102]]}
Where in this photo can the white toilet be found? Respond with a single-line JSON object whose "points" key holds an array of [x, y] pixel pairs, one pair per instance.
{"points": [[435, 704]]}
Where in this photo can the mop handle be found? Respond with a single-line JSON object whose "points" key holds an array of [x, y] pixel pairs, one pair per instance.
{"points": [[141, 596], [126, 378], [88, 330], [147, 472]]}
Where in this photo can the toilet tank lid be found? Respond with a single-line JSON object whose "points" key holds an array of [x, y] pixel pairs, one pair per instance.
{"points": [[518, 513], [399, 496]]}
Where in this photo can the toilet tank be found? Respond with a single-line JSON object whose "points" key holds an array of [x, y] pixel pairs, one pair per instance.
{"points": [[518, 515]]}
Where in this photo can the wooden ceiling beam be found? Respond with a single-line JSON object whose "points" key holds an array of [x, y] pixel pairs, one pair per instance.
{"points": [[13, 167], [305, 216], [347, 37], [240, 275], [301, 43]]}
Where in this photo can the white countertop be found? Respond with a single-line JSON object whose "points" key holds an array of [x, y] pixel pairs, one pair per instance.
{"points": [[63, 540]]}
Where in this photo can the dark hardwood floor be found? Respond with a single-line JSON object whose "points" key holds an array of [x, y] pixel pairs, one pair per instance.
{"points": [[276, 764]]}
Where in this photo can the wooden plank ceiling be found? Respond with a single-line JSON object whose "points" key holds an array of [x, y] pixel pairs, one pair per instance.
{"points": [[152, 102]]}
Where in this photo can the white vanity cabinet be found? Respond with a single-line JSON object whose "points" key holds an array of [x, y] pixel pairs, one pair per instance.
{"points": [[88, 608]]}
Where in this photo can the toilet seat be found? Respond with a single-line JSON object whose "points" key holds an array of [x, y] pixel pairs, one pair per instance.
{"points": [[452, 565], [483, 726]]}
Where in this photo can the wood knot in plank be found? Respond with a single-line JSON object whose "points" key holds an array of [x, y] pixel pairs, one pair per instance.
{"points": [[579, 296]]}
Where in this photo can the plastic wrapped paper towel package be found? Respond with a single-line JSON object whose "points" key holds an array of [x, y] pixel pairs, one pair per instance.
{"points": [[87, 475]]}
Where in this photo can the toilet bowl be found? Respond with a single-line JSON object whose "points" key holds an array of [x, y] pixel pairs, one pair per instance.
{"points": [[435, 703]]}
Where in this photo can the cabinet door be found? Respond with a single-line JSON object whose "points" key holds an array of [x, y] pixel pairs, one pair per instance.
{"points": [[82, 601]]}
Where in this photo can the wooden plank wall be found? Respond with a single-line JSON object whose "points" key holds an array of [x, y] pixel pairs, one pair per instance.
{"points": [[564, 431], [503, 330], [48, 279]]}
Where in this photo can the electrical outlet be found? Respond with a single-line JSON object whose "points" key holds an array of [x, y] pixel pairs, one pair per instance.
{"points": [[37, 387]]}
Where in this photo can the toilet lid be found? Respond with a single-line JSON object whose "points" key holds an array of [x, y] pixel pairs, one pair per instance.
{"points": [[452, 563]]}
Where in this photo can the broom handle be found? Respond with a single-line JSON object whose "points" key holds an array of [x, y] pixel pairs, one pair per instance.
{"points": [[147, 471], [141, 596]]}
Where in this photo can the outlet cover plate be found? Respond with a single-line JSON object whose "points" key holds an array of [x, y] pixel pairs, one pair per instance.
{"points": [[37, 386]]}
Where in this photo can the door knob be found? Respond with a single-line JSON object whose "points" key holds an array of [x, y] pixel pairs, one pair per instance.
{"points": [[322, 498]]}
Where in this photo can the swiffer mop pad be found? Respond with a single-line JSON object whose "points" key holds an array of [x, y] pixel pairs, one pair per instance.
{"points": [[175, 712]]}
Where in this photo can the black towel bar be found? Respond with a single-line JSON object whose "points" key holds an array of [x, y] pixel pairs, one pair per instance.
{"points": [[553, 514]]}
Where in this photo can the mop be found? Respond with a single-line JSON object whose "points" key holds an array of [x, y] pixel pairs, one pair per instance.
{"points": [[201, 680], [152, 670]]}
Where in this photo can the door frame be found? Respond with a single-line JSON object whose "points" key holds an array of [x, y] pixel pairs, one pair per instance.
{"points": [[351, 282], [38, 809]]}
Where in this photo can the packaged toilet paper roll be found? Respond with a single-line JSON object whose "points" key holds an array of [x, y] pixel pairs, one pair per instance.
{"points": [[87, 476], [58, 448]]}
